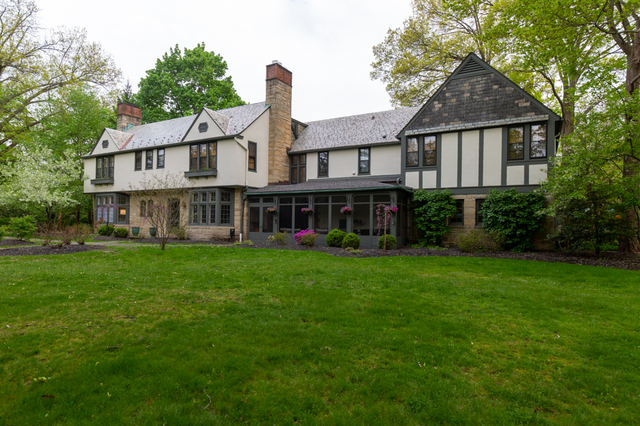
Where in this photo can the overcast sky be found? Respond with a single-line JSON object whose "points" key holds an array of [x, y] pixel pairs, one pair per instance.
{"points": [[326, 44]]}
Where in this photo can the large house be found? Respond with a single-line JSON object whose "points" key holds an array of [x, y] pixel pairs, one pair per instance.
{"points": [[253, 168]]}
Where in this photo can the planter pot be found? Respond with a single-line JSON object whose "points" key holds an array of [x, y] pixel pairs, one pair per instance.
{"points": [[135, 231], [152, 232]]}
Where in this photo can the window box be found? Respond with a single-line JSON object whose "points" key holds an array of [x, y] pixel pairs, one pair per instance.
{"points": [[106, 181], [201, 173]]}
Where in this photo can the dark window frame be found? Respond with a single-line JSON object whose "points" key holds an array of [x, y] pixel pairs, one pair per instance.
{"points": [[160, 154], [414, 162], [425, 150], [515, 143], [531, 141], [254, 157], [210, 160], [458, 217], [219, 203], [137, 162], [367, 170], [148, 159], [297, 162], [105, 167], [479, 216], [323, 171], [113, 204]]}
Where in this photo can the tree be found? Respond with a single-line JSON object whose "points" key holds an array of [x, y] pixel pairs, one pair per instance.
{"points": [[182, 83], [33, 67], [415, 60], [163, 195]]}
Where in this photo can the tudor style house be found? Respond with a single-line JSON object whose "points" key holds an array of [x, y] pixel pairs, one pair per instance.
{"points": [[253, 168]]}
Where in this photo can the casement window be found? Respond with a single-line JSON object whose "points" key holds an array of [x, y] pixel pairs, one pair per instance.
{"points": [[429, 157], [112, 208], [203, 156], [160, 159], [412, 152], [538, 145], [364, 161], [148, 162], [297, 168], [323, 164], [479, 214], [515, 149], [146, 207], [253, 156], [211, 207], [138, 161], [104, 167], [458, 216]]}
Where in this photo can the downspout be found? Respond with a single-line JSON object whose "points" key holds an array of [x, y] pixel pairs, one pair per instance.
{"points": [[246, 180]]}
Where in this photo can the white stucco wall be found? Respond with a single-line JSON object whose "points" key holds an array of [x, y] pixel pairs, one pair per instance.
{"points": [[413, 180], [429, 179], [312, 165], [515, 175], [470, 158], [449, 178], [492, 157], [342, 163], [385, 160], [213, 130], [537, 173]]}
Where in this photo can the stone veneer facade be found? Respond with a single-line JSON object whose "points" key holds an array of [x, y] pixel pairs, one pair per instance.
{"points": [[279, 82], [128, 114]]}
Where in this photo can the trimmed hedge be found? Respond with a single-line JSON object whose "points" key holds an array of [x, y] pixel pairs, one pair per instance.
{"points": [[335, 237], [103, 230], [351, 240], [122, 232], [391, 243]]}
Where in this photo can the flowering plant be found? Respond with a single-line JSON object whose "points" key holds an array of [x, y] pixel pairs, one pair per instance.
{"points": [[307, 210], [305, 237], [393, 209], [346, 210], [272, 210]]}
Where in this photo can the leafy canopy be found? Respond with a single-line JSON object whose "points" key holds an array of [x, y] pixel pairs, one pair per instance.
{"points": [[183, 82]]}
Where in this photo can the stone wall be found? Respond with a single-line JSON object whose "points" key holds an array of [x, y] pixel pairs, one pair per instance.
{"points": [[279, 81]]}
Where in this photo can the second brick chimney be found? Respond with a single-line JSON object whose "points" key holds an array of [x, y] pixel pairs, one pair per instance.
{"points": [[279, 83], [129, 115]]}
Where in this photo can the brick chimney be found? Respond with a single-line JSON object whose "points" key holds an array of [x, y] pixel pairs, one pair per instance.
{"points": [[128, 115], [279, 97]]}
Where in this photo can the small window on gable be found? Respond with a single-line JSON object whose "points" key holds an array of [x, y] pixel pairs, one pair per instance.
{"points": [[203, 127], [253, 154], [105, 144]]}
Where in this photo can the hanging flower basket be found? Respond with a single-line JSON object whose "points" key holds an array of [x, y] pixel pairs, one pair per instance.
{"points": [[393, 209], [272, 210], [307, 210], [346, 210]]}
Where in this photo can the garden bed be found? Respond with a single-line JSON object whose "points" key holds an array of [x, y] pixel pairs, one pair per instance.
{"points": [[30, 249]]}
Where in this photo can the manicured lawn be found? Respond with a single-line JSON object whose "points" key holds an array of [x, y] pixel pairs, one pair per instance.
{"points": [[133, 336]]}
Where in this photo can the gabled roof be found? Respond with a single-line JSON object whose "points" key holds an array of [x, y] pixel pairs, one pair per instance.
{"points": [[476, 95], [356, 130], [119, 138], [234, 120]]}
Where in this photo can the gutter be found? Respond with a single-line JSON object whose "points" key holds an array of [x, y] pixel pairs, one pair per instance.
{"points": [[246, 180]]}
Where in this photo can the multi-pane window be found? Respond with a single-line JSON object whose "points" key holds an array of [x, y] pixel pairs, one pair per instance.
{"points": [[515, 150], [104, 167], [479, 214], [323, 164], [146, 208], [203, 156], [253, 156], [429, 157], [113, 208], [297, 168], [412, 152], [538, 141], [160, 159], [148, 162], [458, 216], [138, 160], [364, 161], [211, 207]]}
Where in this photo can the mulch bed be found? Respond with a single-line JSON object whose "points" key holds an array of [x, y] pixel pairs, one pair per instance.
{"points": [[12, 242], [617, 260], [31, 249], [152, 240]]}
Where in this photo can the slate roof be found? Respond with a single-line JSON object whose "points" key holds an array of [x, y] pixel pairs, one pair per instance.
{"points": [[356, 130], [348, 184], [231, 121]]}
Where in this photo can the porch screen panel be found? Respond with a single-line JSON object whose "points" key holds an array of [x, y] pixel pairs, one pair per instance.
{"points": [[285, 223], [321, 219], [338, 220], [254, 219], [267, 220], [361, 215], [301, 219]]}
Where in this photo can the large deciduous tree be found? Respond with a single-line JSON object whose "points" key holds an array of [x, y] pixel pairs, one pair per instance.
{"points": [[414, 60], [33, 65], [183, 82]]}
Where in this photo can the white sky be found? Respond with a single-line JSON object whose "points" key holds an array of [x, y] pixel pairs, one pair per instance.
{"points": [[326, 44]]}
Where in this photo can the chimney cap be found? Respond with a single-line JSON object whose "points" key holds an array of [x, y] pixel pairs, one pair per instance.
{"points": [[275, 61]]}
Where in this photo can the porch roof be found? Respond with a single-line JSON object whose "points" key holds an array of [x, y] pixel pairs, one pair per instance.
{"points": [[328, 185]]}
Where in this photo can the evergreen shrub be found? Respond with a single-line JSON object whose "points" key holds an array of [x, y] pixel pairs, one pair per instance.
{"points": [[335, 237], [351, 240]]}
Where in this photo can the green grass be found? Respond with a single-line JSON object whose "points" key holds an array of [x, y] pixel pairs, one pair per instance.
{"points": [[133, 336]]}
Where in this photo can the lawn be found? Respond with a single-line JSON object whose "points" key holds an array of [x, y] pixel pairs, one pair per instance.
{"points": [[206, 335]]}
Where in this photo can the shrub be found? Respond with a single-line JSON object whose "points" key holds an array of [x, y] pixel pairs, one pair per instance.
{"points": [[391, 243], [122, 232], [513, 215], [66, 234], [81, 233], [477, 240], [278, 238], [431, 210], [306, 237], [180, 232], [1, 232], [22, 228], [103, 230], [47, 232], [335, 237], [351, 240]]}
